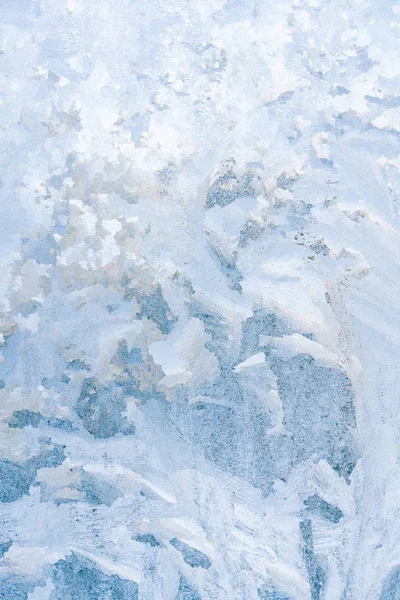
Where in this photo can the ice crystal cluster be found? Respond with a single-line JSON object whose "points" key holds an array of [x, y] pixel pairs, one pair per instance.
{"points": [[199, 300]]}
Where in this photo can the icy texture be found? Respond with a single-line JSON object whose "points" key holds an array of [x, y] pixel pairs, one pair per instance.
{"points": [[199, 320]]}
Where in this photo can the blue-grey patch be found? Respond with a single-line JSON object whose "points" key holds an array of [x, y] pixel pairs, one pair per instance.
{"points": [[227, 266], [70, 163], [64, 424], [227, 188], [11, 354], [316, 574], [341, 91], [154, 307], [190, 555], [166, 175], [250, 232], [322, 508], [2, 384], [14, 591], [319, 247], [318, 404], [77, 365], [137, 125], [387, 101], [29, 308], [222, 432], [319, 416], [16, 479], [391, 585], [225, 389], [98, 491], [56, 181], [53, 77], [44, 251], [49, 456], [216, 429], [146, 538], [4, 547], [364, 63], [348, 120], [100, 408], [77, 578], [309, 336], [373, 99], [265, 593], [262, 322], [218, 330], [187, 591], [327, 162], [286, 182], [327, 298], [60, 229], [125, 357], [55, 383], [26, 418], [128, 384]]}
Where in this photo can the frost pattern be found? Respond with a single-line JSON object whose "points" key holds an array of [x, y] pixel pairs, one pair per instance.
{"points": [[199, 309]]}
